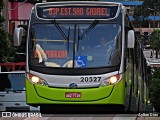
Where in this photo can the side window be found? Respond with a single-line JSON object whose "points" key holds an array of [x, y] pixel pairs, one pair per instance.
{"points": [[127, 27]]}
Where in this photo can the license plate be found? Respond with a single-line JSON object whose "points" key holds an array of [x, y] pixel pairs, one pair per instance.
{"points": [[73, 95]]}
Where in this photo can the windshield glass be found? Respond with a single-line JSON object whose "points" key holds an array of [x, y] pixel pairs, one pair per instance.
{"points": [[12, 81], [88, 45]]}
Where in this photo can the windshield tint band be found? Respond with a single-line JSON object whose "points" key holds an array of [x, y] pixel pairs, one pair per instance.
{"points": [[73, 71]]}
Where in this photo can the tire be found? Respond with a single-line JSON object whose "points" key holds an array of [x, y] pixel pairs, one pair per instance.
{"points": [[45, 109]]}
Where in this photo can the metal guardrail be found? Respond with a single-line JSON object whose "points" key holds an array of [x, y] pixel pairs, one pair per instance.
{"points": [[11, 66]]}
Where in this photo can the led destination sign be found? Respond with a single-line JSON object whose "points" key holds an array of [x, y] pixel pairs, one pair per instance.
{"points": [[77, 12]]}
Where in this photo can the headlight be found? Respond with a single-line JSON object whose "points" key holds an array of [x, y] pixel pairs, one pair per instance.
{"points": [[36, 80], [111, 80]]}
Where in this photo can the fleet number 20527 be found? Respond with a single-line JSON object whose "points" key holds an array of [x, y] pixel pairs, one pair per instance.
{"points": [[90, 79]]}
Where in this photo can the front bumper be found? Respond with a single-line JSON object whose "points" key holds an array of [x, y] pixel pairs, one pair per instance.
{"points": [[37, 95]]}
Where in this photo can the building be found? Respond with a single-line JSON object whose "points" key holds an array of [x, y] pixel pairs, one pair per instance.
{"points": [[151, 22], [19, 10], [18, 13]]}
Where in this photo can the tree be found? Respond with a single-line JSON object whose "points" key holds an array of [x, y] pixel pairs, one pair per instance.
{"points": [[155, 41], [154, 89], [141, 12], [140, 15], [7, 50]]}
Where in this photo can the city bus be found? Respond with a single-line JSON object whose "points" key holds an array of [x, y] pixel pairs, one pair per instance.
{"points": [[69, 68]]}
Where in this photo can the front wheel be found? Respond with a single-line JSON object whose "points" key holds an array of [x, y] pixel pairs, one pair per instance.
{"points": [[82, 109], [46, 109]]}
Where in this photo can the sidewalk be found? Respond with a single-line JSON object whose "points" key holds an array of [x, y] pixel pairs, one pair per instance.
{"points": [[151, 61]]}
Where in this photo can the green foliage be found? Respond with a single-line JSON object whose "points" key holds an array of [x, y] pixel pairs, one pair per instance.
{"points": [[155, 41], [1, 18], [1, 5], [156, 73], [154, 93], [142, 12], [7, 50], [154, 89]]}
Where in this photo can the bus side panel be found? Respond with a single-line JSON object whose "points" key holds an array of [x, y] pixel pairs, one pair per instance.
{"points": [[31, 95], [118, 94]]}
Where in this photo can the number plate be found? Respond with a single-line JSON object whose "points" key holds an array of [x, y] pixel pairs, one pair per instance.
{"points": [[73, 95]]}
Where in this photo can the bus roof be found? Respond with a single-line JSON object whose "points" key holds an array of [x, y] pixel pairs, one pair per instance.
{"points": [[79, 2]]}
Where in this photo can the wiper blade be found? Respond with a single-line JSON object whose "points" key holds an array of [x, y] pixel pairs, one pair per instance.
{"points": [[62, 33], [95, 22], [78, 39], [59, 29], [68, 39], [74, 42]]}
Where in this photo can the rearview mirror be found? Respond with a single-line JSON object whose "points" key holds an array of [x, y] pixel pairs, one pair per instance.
{"points": [[18, 33], [131, 39]]}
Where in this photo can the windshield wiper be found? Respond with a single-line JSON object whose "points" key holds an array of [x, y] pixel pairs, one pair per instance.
{"points": [[68, 39], [78, 39], [74, 42], [59, 29], [95, 22], [62, 33]]}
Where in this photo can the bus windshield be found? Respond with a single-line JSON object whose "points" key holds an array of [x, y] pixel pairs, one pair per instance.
{"points": [[76, 45]]}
